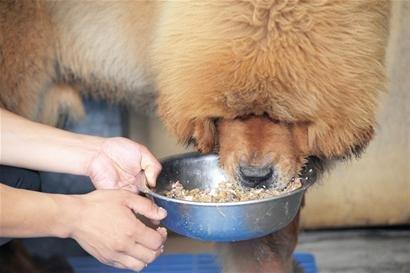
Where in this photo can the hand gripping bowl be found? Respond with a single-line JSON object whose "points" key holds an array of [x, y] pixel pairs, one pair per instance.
{"points": [[219, 222]]}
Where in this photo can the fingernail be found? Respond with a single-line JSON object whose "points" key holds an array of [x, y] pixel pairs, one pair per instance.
{"points": [[163, 212], [163, 232], [162, 229]]}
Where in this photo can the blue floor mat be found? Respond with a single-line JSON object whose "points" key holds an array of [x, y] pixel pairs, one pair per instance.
{"points": [[177, 263]]}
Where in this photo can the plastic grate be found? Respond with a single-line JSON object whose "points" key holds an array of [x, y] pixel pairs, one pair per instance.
{"points": [[178, 263]]}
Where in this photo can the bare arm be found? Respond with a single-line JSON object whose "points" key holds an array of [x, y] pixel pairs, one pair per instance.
{"points": [[36, 146], [26, 213], [110, 163]]}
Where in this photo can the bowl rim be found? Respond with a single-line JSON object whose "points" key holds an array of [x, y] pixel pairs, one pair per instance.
{"points": [[305, 186]]}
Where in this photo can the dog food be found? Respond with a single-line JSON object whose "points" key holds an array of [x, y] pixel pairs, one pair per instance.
{"points": [[227, 192]]}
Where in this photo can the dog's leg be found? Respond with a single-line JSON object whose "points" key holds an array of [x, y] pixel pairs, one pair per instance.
{"points": [[61, 103], [27, 56], [270, 254]]}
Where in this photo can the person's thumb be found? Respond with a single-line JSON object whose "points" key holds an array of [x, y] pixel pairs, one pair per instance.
{"points": [[150, 166]]}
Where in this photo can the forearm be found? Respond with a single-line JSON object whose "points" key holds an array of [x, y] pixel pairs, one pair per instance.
{"points": [[35, 146], [32, 214]]}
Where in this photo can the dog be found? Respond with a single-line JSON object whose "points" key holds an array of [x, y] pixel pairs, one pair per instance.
{"points": [[268, 85]]}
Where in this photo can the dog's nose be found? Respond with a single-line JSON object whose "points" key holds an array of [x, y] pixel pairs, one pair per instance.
{"points": [[252, 176]]}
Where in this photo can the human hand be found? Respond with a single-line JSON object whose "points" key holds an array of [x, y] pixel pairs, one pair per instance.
{"points": [[122, 163], [106, 227]]}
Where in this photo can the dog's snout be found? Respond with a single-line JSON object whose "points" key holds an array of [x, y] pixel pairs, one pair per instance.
{"points": [[255, 172], [252, 176]]}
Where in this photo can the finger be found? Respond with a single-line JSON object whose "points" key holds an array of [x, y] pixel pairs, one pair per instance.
{"points": [[131, 263], [155, 222], [143, 253], [148, 237], [150, 165], [116, 264], [146, 207], [140, 179], [164, 233]]}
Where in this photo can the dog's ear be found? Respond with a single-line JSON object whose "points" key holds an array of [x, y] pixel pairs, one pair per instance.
{"points": [[204, 135], [340, 144]]}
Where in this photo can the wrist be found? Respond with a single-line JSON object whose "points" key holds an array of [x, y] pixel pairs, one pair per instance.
{"points": [[90, 148], [68, 209]]}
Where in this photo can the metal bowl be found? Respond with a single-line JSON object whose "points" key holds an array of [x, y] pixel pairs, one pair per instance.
{"points": [[219, 222]]}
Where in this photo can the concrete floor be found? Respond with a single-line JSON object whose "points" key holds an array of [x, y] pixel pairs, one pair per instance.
{"points": [[347, 251], [359, 251]]}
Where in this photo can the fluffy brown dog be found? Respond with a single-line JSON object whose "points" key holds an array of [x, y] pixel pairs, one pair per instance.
{"points": [[266, 84]]}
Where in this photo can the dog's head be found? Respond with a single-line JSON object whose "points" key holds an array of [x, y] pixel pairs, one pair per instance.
{"points": [[260, 152], [270, 86]]}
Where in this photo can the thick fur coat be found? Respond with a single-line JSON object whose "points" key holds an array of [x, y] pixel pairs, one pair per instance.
{"points": [[263, 83]]}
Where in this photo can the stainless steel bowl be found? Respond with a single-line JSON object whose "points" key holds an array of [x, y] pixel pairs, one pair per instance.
{"points": [[219, 222]]}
